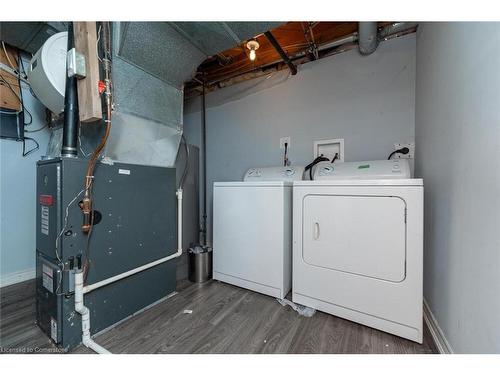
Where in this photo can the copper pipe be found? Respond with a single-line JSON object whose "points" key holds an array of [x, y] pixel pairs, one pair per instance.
{"points": [[89, 177]]}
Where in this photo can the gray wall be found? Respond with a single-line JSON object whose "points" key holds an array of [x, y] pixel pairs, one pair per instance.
{"points": [[18, 200], [458, 154], [367, 100]]}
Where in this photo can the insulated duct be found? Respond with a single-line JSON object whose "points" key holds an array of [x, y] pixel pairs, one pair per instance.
{"points": [[368, 38], [151, 61]]}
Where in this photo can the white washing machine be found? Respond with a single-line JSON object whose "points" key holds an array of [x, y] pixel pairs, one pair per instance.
{"points": [[357, 244], [252, 230]]}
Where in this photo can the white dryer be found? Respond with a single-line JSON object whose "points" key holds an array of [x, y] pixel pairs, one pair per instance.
{"points": [[357, 244], [252, 230]]}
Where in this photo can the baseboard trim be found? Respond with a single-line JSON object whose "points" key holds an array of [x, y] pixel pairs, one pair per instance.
{"points": [[17, 277], [437, 334]]}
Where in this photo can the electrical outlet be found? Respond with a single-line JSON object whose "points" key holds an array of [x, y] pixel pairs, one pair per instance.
{"points": [[284, 140], [410, 155]]}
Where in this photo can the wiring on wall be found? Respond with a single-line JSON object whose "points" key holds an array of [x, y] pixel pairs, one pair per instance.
{"points": [[403, 151], [97, 42], [84, 153], [285, 156], [8, 58], [24, 110], [29, 87], [20, 95], [35, 130], [63, 230], [6, 83], [31, 150]]}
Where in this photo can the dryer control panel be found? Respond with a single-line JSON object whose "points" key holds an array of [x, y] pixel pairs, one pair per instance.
{"points": [[274, 174], [366, 170]]}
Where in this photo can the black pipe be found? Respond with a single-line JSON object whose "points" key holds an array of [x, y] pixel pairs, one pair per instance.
{"points": [[204, 141], [71, 115], [282, 53]]}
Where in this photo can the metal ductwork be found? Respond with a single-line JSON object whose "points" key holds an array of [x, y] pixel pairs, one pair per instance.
{"points": [[151, 61], [29, 36], [368, 37]]}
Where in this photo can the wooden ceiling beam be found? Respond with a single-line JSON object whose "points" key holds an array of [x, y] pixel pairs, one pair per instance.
{"points": [[282, 53]]}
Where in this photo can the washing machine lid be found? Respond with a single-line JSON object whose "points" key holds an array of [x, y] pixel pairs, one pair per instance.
{"points": [[363, 170], [256, 184], [292, 173]]}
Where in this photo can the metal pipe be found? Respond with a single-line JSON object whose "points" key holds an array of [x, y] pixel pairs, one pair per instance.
{"points": [[338, 42], [282, 53], [368, 38], [71, 116], [395, 28], [204, 141]]}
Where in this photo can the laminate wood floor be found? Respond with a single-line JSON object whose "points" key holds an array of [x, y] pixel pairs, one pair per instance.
{"points": [[224, 319]]}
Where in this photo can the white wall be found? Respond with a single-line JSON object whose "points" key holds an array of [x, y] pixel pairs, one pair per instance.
{"points": [[18, 199], [367, 100], [458, 155]]}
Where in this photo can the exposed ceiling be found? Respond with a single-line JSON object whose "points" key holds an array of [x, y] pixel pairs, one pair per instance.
{"points": [[301, 41], [172, 51]]}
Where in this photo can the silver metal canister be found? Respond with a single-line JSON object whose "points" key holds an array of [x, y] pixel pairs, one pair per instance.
{"points": [[200, 264]]}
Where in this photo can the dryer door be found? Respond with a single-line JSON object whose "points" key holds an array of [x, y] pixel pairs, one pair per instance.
{"points": [[362, 235]]}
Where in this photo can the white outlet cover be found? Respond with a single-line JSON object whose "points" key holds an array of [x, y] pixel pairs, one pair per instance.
{"points": [[284, 140], [410, 155]]}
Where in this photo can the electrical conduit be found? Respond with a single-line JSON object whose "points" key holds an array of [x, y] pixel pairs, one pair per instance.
{"points": [[81, 290]]}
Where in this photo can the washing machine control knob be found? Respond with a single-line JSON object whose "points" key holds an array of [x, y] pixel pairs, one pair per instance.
{"points": [[254, 173], [326, 170]]}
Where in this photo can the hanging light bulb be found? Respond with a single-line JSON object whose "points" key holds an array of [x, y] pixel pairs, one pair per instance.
{"points": [[253, 46]]}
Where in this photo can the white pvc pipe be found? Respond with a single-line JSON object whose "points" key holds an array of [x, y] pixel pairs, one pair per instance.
{"points": [[123, 275], [85, 313], [80, 290], [179, 221]]}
